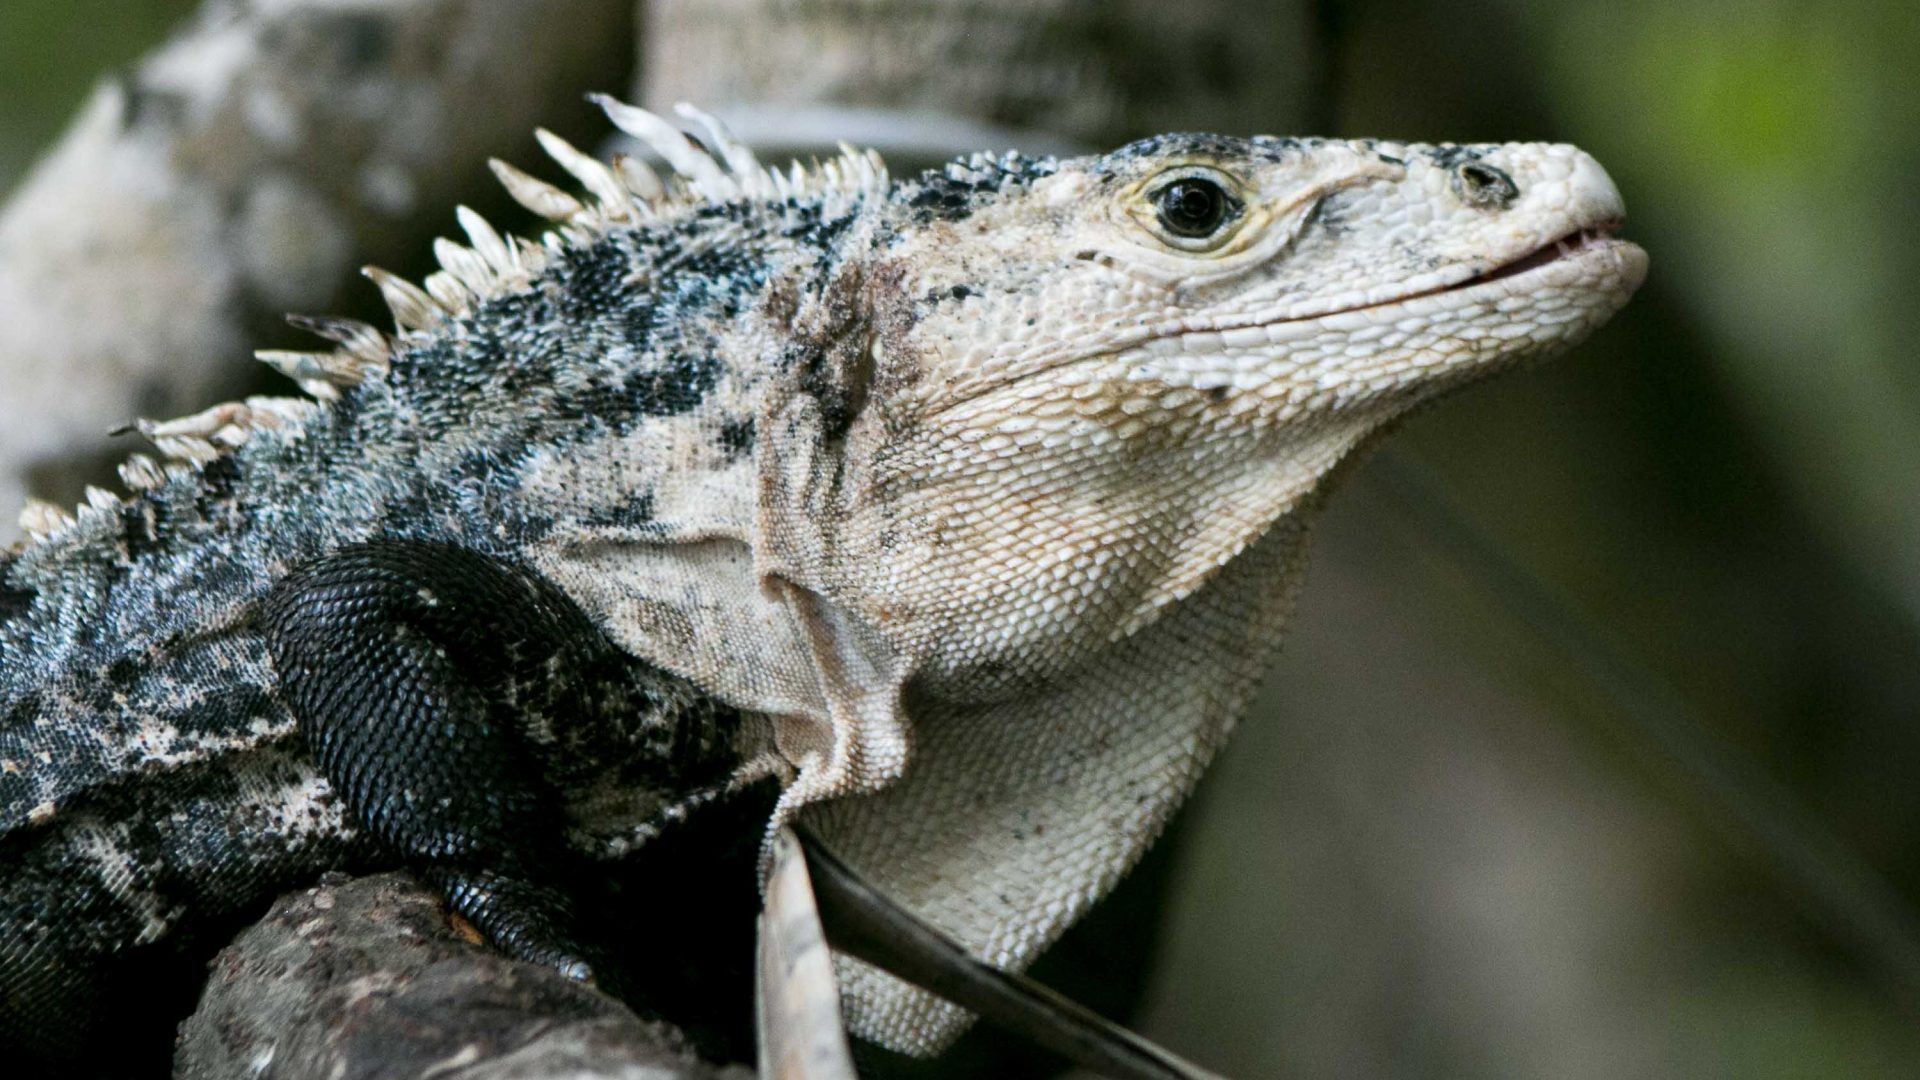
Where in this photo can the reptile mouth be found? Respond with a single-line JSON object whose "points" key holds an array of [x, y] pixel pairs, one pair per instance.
{"points": [[1562, 248], [1567, 246]]}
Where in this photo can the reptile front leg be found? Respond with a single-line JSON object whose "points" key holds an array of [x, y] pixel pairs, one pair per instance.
{"points": [[425, 677]]}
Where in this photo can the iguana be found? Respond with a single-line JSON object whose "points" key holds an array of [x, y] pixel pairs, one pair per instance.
{"points": [[954, 517]]}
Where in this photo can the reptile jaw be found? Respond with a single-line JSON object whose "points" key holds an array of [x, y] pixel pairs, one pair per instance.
{"points": [[1570, 245], [1566, 246], [1587, 241]]}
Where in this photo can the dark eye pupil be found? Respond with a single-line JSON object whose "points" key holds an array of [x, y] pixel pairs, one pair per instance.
{"points": [[1192, 208]]}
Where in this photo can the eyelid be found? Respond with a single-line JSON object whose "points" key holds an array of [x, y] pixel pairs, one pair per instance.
{"points": [[1143, 207], [1236, 206], [1165, 179]]}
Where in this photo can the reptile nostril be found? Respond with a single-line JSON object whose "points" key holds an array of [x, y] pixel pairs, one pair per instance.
{"points": [[1480, 184]]}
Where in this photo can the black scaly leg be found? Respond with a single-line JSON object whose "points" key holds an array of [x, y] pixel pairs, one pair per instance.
{"points": [[423, 676]]}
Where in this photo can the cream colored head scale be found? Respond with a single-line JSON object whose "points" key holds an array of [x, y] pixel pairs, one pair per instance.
{"points": [[1069, 515]]}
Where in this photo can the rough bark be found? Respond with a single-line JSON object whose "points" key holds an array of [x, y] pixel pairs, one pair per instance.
{"points": [[368, 979], [244, 170]]}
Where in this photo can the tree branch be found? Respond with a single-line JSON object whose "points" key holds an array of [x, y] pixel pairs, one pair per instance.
{"points": [[367, 978]]}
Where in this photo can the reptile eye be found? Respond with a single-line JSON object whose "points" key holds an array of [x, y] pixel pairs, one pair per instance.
{"points": [[1193, 207]]}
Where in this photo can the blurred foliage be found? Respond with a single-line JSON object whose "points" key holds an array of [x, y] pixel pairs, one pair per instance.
{"points": [[1729, 473], [51, 53], [1780, 137], [1726, 482]]}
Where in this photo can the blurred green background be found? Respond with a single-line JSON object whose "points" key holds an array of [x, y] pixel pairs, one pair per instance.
{"points": [[1670, 826]]}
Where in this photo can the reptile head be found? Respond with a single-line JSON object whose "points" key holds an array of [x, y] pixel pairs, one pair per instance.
{"points": [[1143, 360], [1034, 448], [1101, 398]]}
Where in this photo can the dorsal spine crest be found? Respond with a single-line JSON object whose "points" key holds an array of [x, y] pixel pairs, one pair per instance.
{"points": [[626, 192]]}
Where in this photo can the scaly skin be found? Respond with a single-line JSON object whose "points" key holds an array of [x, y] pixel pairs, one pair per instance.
{"points": [[967, 507]]}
